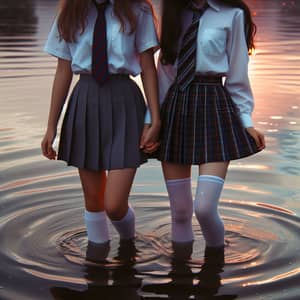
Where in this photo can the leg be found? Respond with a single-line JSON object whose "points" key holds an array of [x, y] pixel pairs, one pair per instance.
{"points": [[175, 171], [209, 188], [218, 169], [93, 185], [117, 191], [178, 182]]}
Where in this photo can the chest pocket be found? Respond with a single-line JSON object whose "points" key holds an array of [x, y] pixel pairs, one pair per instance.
{"points": [[213, 41]]}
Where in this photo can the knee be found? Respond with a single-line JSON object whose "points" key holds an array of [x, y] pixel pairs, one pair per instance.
{"points": [[115, 212], [202, 213], [182, 215]]}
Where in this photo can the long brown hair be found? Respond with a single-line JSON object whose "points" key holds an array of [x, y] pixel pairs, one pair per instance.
{"points": [[73, 13], [171, 28]]}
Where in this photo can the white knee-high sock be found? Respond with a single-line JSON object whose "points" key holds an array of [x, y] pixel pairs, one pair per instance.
{"points": [[208, 192], [96, 225], [181, 202], [126, 226]]}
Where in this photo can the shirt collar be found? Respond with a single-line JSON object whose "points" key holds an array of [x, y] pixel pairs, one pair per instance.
{"points": [[101, 1], [213, 4]]}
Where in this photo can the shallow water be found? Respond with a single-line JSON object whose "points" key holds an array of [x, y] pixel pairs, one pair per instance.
{"points": [[42, 234]]}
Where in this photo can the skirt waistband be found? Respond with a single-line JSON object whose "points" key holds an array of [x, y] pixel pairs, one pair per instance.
{"points": [[85, 75], [207, 79]]}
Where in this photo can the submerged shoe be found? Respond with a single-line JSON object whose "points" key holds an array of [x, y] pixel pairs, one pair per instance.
{"points": [[214, 256], [127, 251], [97, 253], [182, 251], [209, 276]]}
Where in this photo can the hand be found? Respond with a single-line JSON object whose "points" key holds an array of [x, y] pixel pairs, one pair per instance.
{"points": [[258, 137], [149, 140], [151, 147], [46, 144]]}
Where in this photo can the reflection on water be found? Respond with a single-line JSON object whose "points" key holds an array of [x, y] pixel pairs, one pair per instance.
{"points": [[119, 282], [42, 233], [184, 283], [18, 18]]}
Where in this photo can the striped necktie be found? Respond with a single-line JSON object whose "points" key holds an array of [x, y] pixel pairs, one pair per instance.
{"points": [[99, 49], [186, 66]]}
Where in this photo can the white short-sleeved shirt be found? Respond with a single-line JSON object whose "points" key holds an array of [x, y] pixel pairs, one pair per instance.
{"points": [[221, 51], [123, 48]]}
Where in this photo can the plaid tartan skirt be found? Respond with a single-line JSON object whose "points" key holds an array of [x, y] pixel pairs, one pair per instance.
{"points": [[202, 125]]}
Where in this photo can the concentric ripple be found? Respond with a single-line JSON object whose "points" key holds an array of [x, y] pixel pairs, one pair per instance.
{"points": [[43, 236]]}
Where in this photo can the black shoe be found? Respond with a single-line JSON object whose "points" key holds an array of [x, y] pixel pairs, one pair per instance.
{"points": [[127, 251], [182, 251], [97, 253], [214, 256]]}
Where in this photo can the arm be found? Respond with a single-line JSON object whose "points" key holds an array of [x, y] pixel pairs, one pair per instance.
{"points": [[237, 80], [61, 85], [149, 78], [166, 76]]}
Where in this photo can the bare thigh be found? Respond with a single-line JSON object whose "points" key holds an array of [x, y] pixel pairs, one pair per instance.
{"points": [[215, 169], [93, 185], [118, 186], [179, 171], [175, 171]]}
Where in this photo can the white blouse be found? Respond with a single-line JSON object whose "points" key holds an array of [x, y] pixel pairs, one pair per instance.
{"points": [[222, 51], [123, 48]]}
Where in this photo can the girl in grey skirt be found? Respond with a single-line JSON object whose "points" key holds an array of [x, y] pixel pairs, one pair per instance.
{"points": [[104, 133]]}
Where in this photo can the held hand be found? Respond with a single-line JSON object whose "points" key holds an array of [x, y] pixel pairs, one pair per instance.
{"points": [[46, 144], [258, 137], [149, 141], [151, 147]]}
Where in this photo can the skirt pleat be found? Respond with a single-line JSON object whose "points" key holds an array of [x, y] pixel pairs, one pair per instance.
{"points": [[79, 138], [65, 148], [106, 124], [202, 125], [132, 119], [119, 135], [92, 153], [103, 124]]}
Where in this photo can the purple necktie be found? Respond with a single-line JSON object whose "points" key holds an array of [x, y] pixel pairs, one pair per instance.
{"points": [[99, 51]]}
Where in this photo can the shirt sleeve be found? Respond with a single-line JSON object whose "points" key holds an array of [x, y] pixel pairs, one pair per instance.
{"points": [[166, 76], [237, 81], [146, 35], [55, 45]]}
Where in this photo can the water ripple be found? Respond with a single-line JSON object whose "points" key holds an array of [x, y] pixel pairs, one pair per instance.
{"points": [[49, 242]]}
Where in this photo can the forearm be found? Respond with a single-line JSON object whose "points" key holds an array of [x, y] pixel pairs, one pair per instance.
{"points": [[150, 84], [61, 85], [237, 80], [242, 97]]}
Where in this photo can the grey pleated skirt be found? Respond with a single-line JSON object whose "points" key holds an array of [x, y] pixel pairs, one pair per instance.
{"points": [[103, 125]]}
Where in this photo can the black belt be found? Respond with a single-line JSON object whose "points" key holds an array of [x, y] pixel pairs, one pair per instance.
{"points": [[207, 79], [85, 75]]}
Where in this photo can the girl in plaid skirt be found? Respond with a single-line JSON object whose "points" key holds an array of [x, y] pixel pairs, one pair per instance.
{"points": [[206, 109]]}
